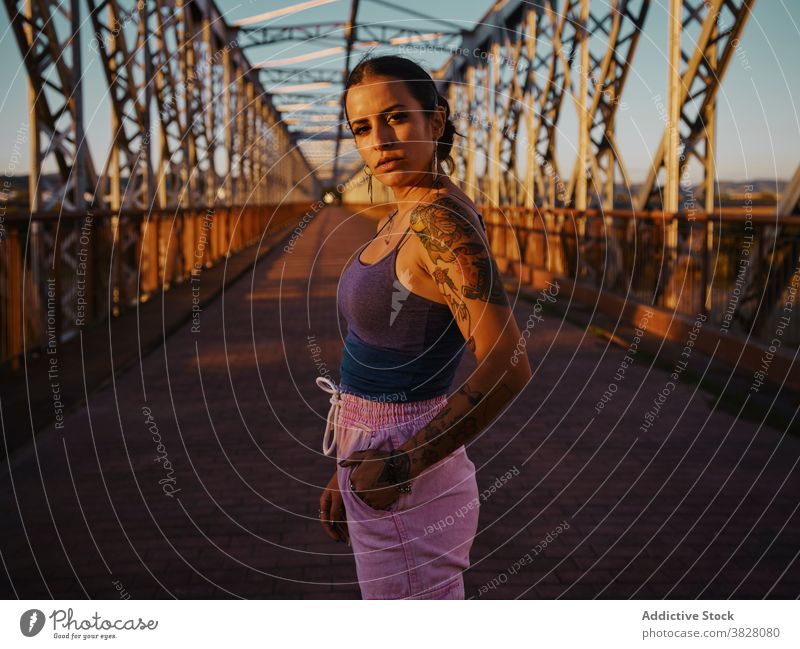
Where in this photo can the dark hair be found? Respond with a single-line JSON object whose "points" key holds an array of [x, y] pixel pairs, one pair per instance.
{"points": [[421, 86]]}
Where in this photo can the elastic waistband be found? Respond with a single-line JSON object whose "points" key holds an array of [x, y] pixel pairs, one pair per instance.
{"points": [[376, 414]]}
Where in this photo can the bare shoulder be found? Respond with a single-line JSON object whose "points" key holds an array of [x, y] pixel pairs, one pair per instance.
{"points": [[447, 219], [457, 254]]}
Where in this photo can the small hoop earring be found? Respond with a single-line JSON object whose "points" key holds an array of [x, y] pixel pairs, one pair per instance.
{"points": [[436, 162]]}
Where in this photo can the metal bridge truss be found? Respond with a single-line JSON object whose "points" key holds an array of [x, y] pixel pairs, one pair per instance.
{"points": [[217, 132], [195, 139], [527, 59]]}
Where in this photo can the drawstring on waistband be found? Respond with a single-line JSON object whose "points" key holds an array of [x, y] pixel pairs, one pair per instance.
{"points": [[332, 422]]}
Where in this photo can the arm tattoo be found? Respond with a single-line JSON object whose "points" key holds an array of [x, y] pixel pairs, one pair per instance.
{"points": [[396, 469], [450, 237], [467, 413]]}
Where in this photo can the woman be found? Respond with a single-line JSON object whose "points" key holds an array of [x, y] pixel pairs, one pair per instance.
{"points": [[425, 287]]}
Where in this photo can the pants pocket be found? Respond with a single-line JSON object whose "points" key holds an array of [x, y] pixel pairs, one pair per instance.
{"points": [[353, 502]]}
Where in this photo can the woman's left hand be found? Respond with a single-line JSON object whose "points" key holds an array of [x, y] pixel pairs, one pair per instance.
{"points": [[370, 478]]}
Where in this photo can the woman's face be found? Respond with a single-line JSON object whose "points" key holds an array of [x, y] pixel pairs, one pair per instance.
{"points": [[388, 122]]}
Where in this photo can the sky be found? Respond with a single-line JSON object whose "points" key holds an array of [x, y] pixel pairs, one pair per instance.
{"points": [[758, 118]]}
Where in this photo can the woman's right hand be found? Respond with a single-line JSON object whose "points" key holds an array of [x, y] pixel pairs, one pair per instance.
{"points": [[333, 513]]}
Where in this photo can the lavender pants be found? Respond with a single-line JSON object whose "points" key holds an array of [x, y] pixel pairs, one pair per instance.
{"points": [[419, 546]]}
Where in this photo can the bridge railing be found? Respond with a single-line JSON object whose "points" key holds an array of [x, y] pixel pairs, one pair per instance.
{"points": [[62, 271], [738, 267]]}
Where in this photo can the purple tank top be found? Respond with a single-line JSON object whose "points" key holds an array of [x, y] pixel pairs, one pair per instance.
{"points": [[382, 312], [398, 342]]}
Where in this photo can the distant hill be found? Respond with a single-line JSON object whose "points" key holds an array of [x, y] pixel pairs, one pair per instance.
{"points": [[730, 192]]}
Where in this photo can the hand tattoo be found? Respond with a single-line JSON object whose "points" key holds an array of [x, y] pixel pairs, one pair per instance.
{"points": [[396, 468]]}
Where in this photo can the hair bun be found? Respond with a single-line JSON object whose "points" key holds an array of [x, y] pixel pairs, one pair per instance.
{"points": [[445, 143]]}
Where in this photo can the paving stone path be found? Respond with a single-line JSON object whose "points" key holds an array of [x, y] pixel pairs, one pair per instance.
{"points": [[701, 505]]}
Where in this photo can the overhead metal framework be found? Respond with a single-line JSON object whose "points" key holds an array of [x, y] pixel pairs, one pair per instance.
{"points": [[511, 82], [293, 79], [536, 56], [179, 82], [279, 78], [695, 74], [52, 58], [509, 79], [332, 33], [195, 139], [195, 123], [217, 138]]}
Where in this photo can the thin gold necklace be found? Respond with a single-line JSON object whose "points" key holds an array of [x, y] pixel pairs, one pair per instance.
{"points": [[385, 236]]}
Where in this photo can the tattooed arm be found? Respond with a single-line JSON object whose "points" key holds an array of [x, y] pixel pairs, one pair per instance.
{"points": [[459, 260], [457, 256]]}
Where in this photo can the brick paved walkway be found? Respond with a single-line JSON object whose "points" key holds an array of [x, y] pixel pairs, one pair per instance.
{"points": [[702, 505]]}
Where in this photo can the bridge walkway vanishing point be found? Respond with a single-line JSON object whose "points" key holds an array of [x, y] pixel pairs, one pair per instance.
{"points": [[574, 503]]}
